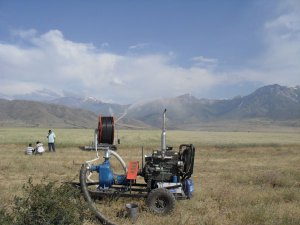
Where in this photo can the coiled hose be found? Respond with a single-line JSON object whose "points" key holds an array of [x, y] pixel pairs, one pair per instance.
{"points": [[88, 198], [106, 130]]}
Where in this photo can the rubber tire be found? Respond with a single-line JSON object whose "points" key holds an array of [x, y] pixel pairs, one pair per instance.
{"points": [[160, 201]]}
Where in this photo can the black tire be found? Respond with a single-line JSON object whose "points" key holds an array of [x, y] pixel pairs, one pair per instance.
{"points": [[160, 201]]}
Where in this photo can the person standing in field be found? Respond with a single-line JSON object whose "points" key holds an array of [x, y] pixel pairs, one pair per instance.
{"points": [[51, 139], [29, 150]]}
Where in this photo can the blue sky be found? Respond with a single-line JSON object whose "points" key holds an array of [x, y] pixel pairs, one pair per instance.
{"points": [[127, 51]]}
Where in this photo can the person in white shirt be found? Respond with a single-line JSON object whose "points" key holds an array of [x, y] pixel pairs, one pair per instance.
{"points": [[39, 148], [51, 139], [29, 150]]}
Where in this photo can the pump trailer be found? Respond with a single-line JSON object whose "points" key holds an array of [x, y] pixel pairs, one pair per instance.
{"points": [[166, 173]]}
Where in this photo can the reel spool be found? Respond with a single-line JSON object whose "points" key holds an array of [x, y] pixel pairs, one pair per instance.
{"points": [[106, 130]]}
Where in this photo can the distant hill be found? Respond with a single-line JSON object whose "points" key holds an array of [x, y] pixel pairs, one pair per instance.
{"points": [[25, 113], [273, 102], [267, 106], [91, 104], [36, 114], [270, 103]]}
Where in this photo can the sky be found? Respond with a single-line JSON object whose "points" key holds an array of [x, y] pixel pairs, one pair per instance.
{"points": [[132, 50]]}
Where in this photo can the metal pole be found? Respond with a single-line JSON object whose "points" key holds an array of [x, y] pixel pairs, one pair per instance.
{"points": [[163, 134]]}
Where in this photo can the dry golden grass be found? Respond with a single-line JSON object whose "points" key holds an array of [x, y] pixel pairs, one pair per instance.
{"points": [[240, 178]]}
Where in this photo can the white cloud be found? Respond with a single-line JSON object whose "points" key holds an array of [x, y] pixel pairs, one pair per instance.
{"points": [[138, 46], [116, 81], [280, 60], [204, 62], [12, 87], [24, 33], [55, 63], [202, 59], [105, 45]]}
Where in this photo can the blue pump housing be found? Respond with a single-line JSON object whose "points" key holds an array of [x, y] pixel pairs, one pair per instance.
{"points": [[106, 176]]}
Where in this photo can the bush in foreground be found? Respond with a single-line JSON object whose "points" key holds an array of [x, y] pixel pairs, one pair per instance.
{"points": [[47, 203], [5, 218]]}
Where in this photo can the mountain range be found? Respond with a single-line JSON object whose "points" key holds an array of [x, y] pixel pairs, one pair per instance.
{"points": [[272, 104]]}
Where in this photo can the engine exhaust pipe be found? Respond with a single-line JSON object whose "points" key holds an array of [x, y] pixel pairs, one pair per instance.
{"points": [[163, 134]]}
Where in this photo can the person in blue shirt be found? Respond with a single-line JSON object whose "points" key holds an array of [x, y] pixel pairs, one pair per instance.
{"points": [[51, 139]]}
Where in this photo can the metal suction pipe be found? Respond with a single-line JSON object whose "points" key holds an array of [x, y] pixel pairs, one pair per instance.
{"points": [[106, 153], [163, 134]]}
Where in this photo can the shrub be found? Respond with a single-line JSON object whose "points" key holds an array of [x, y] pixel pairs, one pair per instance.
{"points": [[5, 218], [49, 203]]}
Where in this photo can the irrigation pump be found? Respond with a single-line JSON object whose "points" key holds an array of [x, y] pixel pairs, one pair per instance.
{"points": [[163, 178]]}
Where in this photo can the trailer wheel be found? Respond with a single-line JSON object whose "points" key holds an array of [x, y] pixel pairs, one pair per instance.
{"points": [[160, 201]]}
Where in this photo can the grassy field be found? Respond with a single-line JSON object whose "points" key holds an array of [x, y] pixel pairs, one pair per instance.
{"points": [[240, 177]]}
